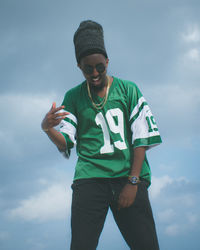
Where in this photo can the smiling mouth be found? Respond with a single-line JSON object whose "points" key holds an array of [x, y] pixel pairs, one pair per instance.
{"points": [[96, 79], [97, 83]]}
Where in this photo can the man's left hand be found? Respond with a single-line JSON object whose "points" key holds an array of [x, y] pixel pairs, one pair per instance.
{"points": [[127, 196]]}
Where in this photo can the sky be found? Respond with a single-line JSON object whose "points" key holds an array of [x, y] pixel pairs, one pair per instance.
{"points": [[154, 43]]}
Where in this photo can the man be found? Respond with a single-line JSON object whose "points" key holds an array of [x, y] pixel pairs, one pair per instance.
{"points": [[112, 126]]}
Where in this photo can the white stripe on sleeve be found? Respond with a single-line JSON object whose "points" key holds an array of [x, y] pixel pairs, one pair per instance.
{"points": [[70, 115], [69, 129], [137, 107], [140, 127]]}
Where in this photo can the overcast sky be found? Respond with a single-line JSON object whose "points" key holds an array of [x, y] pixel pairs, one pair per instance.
{"points": [[156, 44]]}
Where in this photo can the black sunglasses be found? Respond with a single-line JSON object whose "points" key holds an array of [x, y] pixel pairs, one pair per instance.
{"points": [[88, 69]]}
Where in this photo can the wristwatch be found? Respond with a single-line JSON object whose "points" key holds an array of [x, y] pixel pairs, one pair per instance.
{"points": [[134, 180]]}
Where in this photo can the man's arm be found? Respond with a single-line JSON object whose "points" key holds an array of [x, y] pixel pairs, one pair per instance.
{"points": [[128, 193], [52, 119]]}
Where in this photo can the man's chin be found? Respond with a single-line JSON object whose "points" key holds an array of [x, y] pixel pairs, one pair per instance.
{"points": [[97, 86]]}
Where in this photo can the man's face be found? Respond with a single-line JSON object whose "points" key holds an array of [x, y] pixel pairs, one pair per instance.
{"points": [[94, 68]]}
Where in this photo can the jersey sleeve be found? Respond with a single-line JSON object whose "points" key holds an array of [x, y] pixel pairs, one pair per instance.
{"points": [[68, 125], [142, 123]]}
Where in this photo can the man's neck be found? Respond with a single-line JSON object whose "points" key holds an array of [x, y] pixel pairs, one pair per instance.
{"points": [[102, 92]]}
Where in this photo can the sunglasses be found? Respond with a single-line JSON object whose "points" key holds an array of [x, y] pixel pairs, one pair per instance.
{"points": [[88, 69]]}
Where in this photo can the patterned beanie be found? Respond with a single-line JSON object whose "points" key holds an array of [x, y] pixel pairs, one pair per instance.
{"points": [[88, 39]]}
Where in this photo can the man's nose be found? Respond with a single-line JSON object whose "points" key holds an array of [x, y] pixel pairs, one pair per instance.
{"points": [[95, 72]]}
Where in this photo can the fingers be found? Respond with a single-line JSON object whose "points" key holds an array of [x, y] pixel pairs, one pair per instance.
{"points": [[54, 116], [56, 122], [54, 109], [52, 122], [123, 203], [58, 109], [60, 115], [53, 106], [127, 196]]}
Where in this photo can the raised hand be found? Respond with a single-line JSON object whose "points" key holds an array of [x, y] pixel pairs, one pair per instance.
{"points": [[53, 117]]}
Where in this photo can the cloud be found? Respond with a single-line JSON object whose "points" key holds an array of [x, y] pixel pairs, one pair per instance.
{"points": [[166, 215], [193, 55], [192, 218], [188, 62], [35, 244], [179, 228], [171, 96], [8, 142], [158, 184], [192, 34], [51, 203], [175, 199], [21, 116], [173, 230], [176, 109], [24, 109]]}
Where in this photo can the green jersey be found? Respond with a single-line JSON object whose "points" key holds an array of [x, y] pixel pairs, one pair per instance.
{"points": [[105, 138]]}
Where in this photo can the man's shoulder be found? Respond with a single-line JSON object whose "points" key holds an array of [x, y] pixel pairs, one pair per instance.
{"points": [[127, 84], [75, 90]]}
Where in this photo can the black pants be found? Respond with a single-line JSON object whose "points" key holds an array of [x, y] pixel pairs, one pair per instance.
{"points": [[90, 203]]}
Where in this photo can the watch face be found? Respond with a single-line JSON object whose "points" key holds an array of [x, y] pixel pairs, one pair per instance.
{"points": [[134, 179]]}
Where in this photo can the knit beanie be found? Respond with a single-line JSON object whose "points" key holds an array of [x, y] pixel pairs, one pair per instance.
{"points": [[89, 39]]}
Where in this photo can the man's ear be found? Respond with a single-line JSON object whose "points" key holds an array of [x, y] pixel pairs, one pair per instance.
{"points": [[107, 61]]}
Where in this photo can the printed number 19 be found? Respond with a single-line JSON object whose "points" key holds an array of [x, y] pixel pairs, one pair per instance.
{"points": [[151, 123], [115, 128]]}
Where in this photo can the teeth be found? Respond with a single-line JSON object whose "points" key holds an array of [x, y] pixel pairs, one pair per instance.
{"points": [[96, 79]]}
